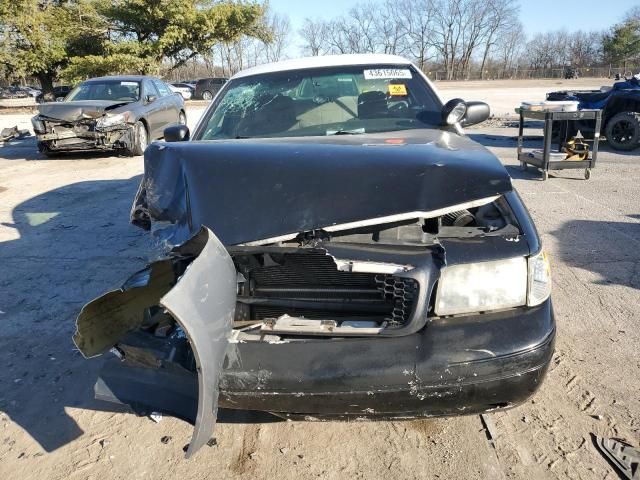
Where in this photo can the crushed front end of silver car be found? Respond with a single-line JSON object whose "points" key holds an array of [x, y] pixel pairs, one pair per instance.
{"points": [[60, 129]]}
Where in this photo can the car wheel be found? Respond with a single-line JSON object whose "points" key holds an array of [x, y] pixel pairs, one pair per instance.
{"points": [[623, 131], [140, 139], [182, 119], [207, 95]]}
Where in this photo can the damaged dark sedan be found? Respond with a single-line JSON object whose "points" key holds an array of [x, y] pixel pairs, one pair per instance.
{"points": [[337, 248], [120, 113]]}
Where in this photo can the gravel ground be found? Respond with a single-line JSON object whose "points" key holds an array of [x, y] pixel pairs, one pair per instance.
{"points": [[65, 238]]}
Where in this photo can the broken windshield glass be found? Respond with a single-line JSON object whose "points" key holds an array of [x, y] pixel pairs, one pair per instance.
{"points": [[322, 101]]}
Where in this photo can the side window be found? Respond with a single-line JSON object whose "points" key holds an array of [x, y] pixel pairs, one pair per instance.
{"points": [[162, 88], [150, 89]]}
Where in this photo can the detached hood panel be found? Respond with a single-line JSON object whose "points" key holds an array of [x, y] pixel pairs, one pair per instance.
{"points": [[74, 111], [250, 190]]}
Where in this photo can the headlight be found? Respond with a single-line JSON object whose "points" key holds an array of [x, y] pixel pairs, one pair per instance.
{"points": [[476, 287], [539, 279], [38, 125], [111, 120]]}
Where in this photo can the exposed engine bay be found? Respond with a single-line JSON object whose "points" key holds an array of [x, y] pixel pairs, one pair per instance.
{"points": [[358, 282], [299, 288], [85, 134]]}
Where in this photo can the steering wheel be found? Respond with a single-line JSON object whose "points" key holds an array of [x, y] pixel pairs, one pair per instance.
{"points": [[399, 106]]}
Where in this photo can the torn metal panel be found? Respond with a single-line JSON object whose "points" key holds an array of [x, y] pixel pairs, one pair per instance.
{"points": [[304, 326], [202, 301], [304, 184], [103, 321], [7, 134], [624, 457]]}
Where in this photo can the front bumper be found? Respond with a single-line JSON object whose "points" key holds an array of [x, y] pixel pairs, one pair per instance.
{"points": [[452, 367], [86, 137]]}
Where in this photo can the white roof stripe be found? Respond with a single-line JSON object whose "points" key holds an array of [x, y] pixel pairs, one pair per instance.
{"points": [[324, 61]]}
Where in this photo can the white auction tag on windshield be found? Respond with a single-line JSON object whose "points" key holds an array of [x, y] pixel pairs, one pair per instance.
{"points": [[129, 84], [387, 73]]}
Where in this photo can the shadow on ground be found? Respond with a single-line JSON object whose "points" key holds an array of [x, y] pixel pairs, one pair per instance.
{"points": [[27, 149], [611, 250], [74, 244]]}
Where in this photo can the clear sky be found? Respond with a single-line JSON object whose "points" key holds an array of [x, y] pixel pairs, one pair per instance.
{"points": [[536, 15]]}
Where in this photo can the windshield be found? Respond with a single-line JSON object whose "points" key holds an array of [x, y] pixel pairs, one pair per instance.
{"points": [[323, 101], [113, 90]]}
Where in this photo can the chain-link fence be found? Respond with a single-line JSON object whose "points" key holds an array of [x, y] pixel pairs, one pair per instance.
{"points": [[608, 71]]}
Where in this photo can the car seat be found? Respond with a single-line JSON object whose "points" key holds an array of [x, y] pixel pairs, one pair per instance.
{"points": [[372, 105], [275, 116]]}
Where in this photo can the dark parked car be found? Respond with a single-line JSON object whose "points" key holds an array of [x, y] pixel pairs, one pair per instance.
{"points": [[57, 95], [13, 92], [108, 113], [184, 85], [341, 250], [620, 105], [206, 88]]}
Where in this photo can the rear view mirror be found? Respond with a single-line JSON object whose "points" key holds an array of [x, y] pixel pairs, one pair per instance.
{"points": [[176, 133], [151, 98]]}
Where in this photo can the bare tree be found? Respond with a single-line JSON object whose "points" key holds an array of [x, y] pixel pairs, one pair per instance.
{"points": [[585, 48], [280, 28], [460, 36], [502, 16], [391, 27], [314, 35], [509, 46], [417, 18]]}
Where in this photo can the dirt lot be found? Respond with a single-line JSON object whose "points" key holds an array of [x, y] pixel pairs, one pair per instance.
{"points": [[505, 95], [65, 238]]}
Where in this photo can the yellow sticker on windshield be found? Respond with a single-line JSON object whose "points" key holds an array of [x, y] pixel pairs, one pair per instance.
{"points": [[399, 90]]}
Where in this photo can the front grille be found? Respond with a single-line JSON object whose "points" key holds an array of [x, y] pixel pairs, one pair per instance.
{"points": [[310, 285]]}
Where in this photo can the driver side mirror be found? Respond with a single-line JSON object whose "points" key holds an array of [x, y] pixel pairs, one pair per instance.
{"points": [[151, 98], [176, 133], [457, 111]]}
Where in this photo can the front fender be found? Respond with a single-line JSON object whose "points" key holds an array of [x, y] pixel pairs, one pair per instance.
{"points": [[202, 301]]}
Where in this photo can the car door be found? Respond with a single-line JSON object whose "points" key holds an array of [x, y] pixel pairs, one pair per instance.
{"points": [[153, 111], [169, 103]]}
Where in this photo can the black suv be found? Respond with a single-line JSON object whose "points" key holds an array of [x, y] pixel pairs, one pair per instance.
{"points": [[206, 88]]}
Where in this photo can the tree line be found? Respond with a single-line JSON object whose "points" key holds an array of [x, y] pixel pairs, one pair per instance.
{"points": [[71, 40], [76, 39], [461, 36]]}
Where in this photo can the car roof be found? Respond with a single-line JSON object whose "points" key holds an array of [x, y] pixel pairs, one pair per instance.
{"points": [[324, 61], [125, 78]]}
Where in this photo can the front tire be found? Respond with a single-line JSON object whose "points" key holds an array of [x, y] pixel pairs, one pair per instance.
{"points": [[140, 139], [207, 95], [623, 131]]}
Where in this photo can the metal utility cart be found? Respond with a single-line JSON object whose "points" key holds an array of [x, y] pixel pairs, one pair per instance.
{"points": [[545, 163]]}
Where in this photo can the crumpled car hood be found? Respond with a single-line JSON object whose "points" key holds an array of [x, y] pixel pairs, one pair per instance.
{"points": [[74, 111], [251, 190]]}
